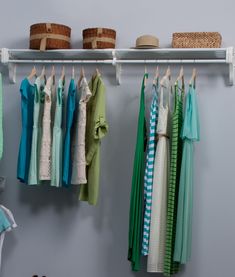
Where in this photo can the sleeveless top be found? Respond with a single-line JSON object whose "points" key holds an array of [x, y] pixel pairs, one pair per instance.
{"points": [[45, 154], [79, 159], [37, 132], [27, 103], [57, 142]]}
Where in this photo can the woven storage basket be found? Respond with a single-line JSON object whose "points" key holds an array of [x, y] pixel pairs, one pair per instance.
{"points": [[196, 40], [98, 38], [49, 36]]}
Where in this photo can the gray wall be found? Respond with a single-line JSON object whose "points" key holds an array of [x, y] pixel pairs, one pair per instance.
{"points": [[57, 236]]}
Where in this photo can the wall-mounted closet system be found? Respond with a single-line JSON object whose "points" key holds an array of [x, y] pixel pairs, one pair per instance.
{"points": [[118, 57]]}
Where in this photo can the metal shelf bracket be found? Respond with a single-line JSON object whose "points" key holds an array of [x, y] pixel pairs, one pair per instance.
{"points": [[5, 57], [118, 68], [231, 63]]}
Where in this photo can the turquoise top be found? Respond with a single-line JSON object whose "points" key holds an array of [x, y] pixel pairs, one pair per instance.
{"points": [[67, 164], [27, 107], [57, 141], [4, 222], [191, 127]]}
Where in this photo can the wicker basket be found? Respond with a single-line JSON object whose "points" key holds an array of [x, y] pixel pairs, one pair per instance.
{"points": [[49, 36], [196, 40], [99, 38]]}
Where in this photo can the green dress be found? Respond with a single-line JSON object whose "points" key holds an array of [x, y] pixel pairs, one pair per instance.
{"points": [[171, 267], [190, 133], [136, 198]]}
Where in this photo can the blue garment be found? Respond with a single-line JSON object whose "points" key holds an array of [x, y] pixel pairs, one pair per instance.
{"points": [[149, 169], [71, 105], [4, 222], [27, 107], [190, 133]]}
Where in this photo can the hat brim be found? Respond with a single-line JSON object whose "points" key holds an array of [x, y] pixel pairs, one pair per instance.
{"points": [[145, 47]]}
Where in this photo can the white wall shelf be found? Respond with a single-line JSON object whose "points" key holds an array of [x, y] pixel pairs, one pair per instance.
{"points": [[117, 57]]}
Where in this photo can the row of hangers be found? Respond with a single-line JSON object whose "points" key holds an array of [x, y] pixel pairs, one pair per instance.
{"points": [[33, 74], [167, 75]]}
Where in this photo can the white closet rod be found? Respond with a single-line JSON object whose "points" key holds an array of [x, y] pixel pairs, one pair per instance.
{"points": [[178, 61]]}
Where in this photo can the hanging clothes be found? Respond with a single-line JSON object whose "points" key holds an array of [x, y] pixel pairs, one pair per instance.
{"points": [[57, 142], [7, 223], [33, 178], [148, 177], [190, 133], [27, 107], [96, 129], [136, 198], [160, 184], [79, 160], [171, 267], [1, 117], [71, 105], [45, 154]]}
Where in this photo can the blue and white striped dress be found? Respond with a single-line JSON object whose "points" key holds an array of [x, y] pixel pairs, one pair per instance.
{"points": [[148, 176]]}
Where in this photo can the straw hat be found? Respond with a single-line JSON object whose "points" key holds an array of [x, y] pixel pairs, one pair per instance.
{"points": [[146, 42]]}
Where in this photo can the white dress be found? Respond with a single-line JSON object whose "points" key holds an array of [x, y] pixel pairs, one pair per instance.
{"points": [[79, 156], [160, 186], [45, 154]]}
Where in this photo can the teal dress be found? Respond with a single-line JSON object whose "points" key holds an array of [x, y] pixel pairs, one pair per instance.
{"points": [[33, 178], [57, 141], [27, 107], [190, 133], [67, 163]]}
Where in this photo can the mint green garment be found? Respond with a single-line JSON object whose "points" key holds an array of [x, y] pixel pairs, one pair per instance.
{"points": [[1, 118], [33, 178], [137, 188], [57, 141], [190, 133]]}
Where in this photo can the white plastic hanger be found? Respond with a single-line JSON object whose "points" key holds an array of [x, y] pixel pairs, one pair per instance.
{"points": [[193, 78]]}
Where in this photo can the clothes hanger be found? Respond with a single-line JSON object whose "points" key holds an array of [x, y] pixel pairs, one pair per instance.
{"points": [[33, 73], [53, 74], [62, 77], [166, 76], [43, 75], [193, 78], [180, 78], [82, 75], [73, 72], [181, 74], [156, 76], [145, 76]]}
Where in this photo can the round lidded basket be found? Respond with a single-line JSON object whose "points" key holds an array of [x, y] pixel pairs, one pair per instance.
{"points": [[99, 38], [49, 36]]}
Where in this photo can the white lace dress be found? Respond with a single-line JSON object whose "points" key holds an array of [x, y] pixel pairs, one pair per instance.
{"points": [[79, 156], [160, 186], [45, 154]]}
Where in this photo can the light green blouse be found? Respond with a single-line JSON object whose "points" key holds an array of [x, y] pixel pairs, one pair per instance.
{"points": [[96, 129]]}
